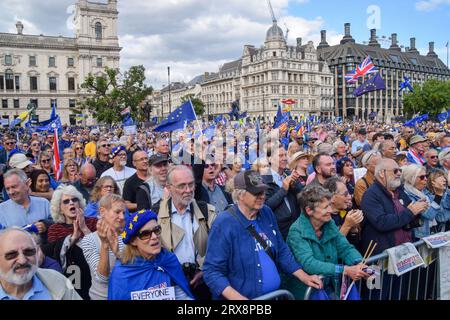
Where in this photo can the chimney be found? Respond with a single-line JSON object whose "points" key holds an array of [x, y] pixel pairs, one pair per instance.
{"points": [[413, 46], [431, 52], [394, 45], [19, 27], [323, 43], [348, 35], [299, 42], [373, 39]]}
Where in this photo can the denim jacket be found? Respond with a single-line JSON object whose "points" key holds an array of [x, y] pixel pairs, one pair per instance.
{"points": [[231, 259]]}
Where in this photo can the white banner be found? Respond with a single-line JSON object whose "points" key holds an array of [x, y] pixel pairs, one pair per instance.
{"points": [[403, 259], [129, 130], [444, 272]]}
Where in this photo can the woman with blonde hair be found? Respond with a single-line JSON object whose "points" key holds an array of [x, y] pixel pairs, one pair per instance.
{"points": [[80, 156], [71, 171], [103, 186], [438, 185]]}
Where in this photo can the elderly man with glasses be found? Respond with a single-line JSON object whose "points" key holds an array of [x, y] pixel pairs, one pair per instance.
{"points": [[140, 162], [20, 277], [119, 171]]}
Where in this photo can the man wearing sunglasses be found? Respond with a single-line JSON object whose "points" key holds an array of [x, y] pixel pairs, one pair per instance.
{"points": [[101, 162], [20, 277], [9, 144], [119, 171], [432, 161], [22, 209]]}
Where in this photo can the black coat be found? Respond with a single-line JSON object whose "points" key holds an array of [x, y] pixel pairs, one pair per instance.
{"points": [[201, 194], [275, 200]]}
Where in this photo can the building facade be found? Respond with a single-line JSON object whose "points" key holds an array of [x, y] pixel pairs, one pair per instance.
{"points": [[43, 70], [393, 64]]}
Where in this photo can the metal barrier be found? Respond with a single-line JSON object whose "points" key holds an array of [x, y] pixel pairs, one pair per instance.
{"points": [[419, 284], [277, 295]]}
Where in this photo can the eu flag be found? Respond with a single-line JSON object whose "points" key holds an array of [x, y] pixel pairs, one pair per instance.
{"points": [[373, 84], [176, 120]]}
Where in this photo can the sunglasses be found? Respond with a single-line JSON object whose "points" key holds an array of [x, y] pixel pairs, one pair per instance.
{"points": [[29, 252], [434, 157], [74, 200], [45, 161], [78, 148], [10, 143], [105, 145], [422, 177], [35, 145], [147, 234], [396, 171], [212, 165]]}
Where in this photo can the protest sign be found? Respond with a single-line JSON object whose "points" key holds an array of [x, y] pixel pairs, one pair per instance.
{"points": [[129, 130], [403, 259], [359, 173], [154, 294]]}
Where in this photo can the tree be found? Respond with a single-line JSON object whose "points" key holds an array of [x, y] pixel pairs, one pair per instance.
{"points": [[107, 96], [432, 97], [199, 106]]}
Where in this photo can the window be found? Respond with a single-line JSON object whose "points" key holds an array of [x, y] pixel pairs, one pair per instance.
{"points": [[2, 82], [4, 103], [17, 82], [70, 62], [274, 53], [8, 60], [52, 62], [99, 62], [33, 84], [53, 102], [52, 83], [34, 101], [71, 84], [72, 103], [16, 103], [98, 30], [9, 79], [32, 61]]}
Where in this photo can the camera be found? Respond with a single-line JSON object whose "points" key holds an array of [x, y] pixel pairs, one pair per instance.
{"points": [[189, 270]]}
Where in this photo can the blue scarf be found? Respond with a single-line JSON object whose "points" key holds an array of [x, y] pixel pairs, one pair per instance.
{"points": [[144, 274]]}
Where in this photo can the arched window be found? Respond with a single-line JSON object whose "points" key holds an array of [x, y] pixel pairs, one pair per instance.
{"points": [[98, 30]]}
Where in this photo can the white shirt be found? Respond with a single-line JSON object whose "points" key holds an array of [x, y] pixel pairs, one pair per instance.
{"points": [[185, 251], [119, 176]]}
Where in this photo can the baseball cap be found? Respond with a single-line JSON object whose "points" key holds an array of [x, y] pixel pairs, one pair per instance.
{"points": [[19, 161], [250, 181], [416, 139], [158, 158], [362, 131]]}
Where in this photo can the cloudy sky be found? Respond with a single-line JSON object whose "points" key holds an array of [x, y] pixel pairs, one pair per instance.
{"points": [[194, 36]]}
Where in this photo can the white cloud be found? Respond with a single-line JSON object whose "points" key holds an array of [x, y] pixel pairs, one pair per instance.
{"points": [[429, 5]]}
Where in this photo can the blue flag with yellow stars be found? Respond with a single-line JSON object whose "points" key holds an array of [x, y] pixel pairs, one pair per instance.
{"points": [[178, 119], [373, 84]]}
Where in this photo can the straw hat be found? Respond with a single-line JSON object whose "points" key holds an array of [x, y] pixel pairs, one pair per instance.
{"points": [[296, 157]]}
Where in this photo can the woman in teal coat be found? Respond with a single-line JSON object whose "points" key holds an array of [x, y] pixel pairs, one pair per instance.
{"points": [[319, 247]]}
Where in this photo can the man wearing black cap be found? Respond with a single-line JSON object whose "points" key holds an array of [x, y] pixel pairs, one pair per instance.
{"points": [[244, 260], [151, 191], [361, 145]]}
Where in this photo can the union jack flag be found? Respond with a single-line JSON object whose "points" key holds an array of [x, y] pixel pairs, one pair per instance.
{"points": [[366, 67]]}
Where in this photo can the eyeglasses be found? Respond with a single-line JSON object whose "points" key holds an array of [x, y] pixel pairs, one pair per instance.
{"points": [[183, 186], [45, 160], [105, 145], [212, 165], [108, 187], [78, 148], [74, 200], [434, 157], [28, 252], [396, 171], [35, 145], [123, 155], [147, 234], [422, 177], [9, 143], [72, 165]]}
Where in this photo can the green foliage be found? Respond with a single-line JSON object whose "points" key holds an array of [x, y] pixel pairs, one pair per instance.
{"points": [[109, 95], [432, 97], [199, 106]]}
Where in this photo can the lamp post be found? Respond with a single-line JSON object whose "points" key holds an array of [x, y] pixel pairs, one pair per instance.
{"points": [[264, 105]]}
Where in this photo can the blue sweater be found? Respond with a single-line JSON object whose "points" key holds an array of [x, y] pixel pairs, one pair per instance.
{"points": [[231, 259]]}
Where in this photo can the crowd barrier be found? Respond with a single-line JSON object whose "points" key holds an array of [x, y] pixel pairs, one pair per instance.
{"points": [[421, 283], [277, 295]]}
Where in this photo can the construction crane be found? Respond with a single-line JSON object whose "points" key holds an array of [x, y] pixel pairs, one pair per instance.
{"points": [[274, 19], [287, 32]]}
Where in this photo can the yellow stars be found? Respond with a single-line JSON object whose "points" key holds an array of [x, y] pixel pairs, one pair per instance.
{"points": [[130, 226], [123, 235], [135, 219]]}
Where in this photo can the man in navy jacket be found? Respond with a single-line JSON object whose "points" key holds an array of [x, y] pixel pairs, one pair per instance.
{"points": [[388, 211]]}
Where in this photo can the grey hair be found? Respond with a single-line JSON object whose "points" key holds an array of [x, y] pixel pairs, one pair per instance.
{"points": [[177, 168], [3, 232], [411, 172], [381, 166], [313, 195], [368, 156], [107, 200], [429, 151], [236, 194], [87, 165], [55, 204], [18, 172]]}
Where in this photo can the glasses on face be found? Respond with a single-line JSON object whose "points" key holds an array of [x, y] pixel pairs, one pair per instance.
{"points": [[396, 171], [105, 145], [142, 159], [71, 165], [45, 160], [67, 201], [10, 143], [78, 148], [28, 252], [108, 187], [183, 186], [210, 165], [147, 234], [35, 145], [433, 157], [122, 155], [422, 177]]}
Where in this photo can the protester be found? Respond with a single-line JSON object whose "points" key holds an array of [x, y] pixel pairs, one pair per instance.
{"points": [[444, 160], [71, 171], [103, 247], [20, 277], [68, 153], [40, 184], [79, 157], [361, 145], [324, 168], [432, 161], [144, 264], [388, 149], [369, 161], [162, 147], [46, 163], [318, 245], [87, 181], [9, 144], [90, 150], [102, 187], [344, 169], [21, 162], [300, 162], [101, 162], [119, 171], [140, 162], [417, 149], [239, 266], [437, 185]]}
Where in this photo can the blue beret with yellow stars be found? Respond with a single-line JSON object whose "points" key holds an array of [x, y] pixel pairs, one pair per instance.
{"points": [[134, 222]]}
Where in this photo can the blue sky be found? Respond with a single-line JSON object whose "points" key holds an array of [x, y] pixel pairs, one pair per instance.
{"points": [[425, 20]]}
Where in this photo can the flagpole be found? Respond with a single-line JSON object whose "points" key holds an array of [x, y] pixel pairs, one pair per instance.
{"points": [[196, 119]]}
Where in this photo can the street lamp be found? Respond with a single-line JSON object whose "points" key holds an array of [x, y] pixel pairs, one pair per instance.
{"points": [[264, 106]]}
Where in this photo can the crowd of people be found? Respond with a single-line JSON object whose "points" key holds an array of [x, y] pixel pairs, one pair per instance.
{"points": [[194, 215]]}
